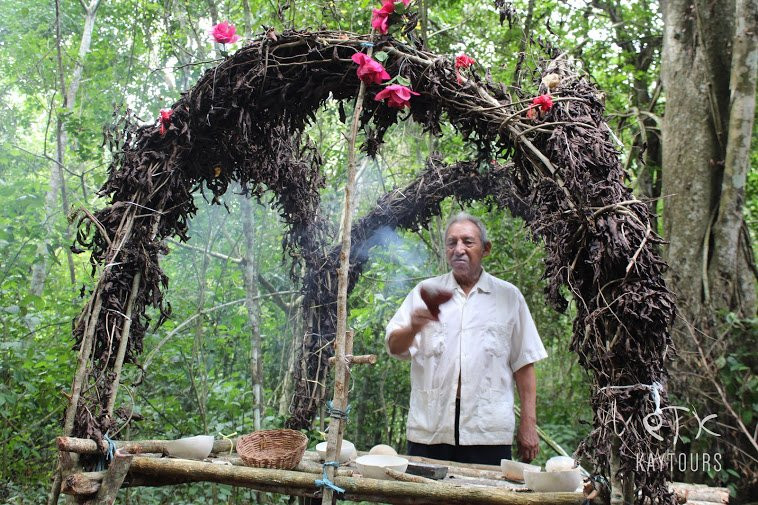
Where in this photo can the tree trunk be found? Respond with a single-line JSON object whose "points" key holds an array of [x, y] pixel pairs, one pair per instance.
{"points": [[57, 182], [690, 156], [639, 51], [250, 277], [525, 37], [732, 282], [706, 147], [298, 329], [248, 18]]}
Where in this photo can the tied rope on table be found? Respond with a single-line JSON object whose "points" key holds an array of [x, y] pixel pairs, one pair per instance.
{"points": [[324, 480], [336, 413], [102, 463]]}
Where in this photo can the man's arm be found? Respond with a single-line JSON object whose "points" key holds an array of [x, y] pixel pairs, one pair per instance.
{"points": [[400, 340], [527, 438]]}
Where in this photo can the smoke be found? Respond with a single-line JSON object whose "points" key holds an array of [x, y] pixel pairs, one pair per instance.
{"points": [[401, 262]]}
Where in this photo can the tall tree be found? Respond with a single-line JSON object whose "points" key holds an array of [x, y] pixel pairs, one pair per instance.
{"points": [[636, 33], [710, 57], [250, 278], [57, 181]]}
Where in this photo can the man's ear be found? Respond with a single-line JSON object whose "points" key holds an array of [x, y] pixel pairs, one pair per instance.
{"points": [[487, 248]]}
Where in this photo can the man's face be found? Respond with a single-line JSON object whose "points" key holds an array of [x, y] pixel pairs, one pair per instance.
{"points": [[465, 250]]}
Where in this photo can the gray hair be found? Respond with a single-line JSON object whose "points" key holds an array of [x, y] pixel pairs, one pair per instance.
{"points": [[465, 216]]}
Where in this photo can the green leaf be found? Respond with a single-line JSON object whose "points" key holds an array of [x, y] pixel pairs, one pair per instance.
{"points": [[381, 56], [402, 80]]}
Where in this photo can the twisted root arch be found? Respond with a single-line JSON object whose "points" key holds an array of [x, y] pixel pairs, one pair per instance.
{"points": [[242, 122]]}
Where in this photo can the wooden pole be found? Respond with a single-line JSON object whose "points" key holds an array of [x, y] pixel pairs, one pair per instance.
{"points": [[86, 483], [83, 483], [123, 343], [622, 486], [83, 361], [113, 479], [361, 359], [95, 304], [700, 492], [356, 488], [339, 400], [88, 446]]}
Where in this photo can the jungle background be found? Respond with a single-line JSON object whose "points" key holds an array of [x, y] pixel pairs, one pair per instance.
{"points": [[679, 81]]}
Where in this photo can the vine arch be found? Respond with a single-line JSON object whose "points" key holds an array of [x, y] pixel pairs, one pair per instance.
{"points": [[243, 122]]}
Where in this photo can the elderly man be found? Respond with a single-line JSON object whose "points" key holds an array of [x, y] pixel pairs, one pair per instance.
{"points": [[465, 355]]}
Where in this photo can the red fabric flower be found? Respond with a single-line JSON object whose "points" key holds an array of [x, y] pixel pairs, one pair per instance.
{"points": [[165, 120], [370, 70], [397, 95], [225, 33], [545, 102], [380, 17], [462, 61]]}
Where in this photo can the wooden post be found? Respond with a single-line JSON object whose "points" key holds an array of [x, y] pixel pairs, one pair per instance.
{"points": [[363, 359], [339, 400], [123, 343], [76, 387], [113, 479], [88, 446], [622, 486], [92, 315]]}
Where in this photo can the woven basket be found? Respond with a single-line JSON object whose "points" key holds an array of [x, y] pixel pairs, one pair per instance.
{"points": [[272, 448]]}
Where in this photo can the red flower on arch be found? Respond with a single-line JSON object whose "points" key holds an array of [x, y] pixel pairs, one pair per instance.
{"points": [[380, 17], [545, 102], [462, 61], [165, 120], [397, 95], [540, 105], [225, 33], [370, 70]]}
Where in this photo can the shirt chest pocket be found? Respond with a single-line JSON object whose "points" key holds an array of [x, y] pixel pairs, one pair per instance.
{"points": [[497, 339], [433, 339]]}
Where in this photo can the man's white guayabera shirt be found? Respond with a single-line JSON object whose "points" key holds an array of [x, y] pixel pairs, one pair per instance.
{"points": [[484, 337]]}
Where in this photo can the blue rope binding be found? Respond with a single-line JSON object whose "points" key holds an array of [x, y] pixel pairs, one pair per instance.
{"points": [[102, 463], [324, 480], [337, 413]]}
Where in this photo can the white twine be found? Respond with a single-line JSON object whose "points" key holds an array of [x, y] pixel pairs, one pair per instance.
{"points": [[655, 391]]}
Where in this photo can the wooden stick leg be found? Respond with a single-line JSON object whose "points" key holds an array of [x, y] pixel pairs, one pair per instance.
{"points": [[82, 484], [55, 490], [113, 479]]}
